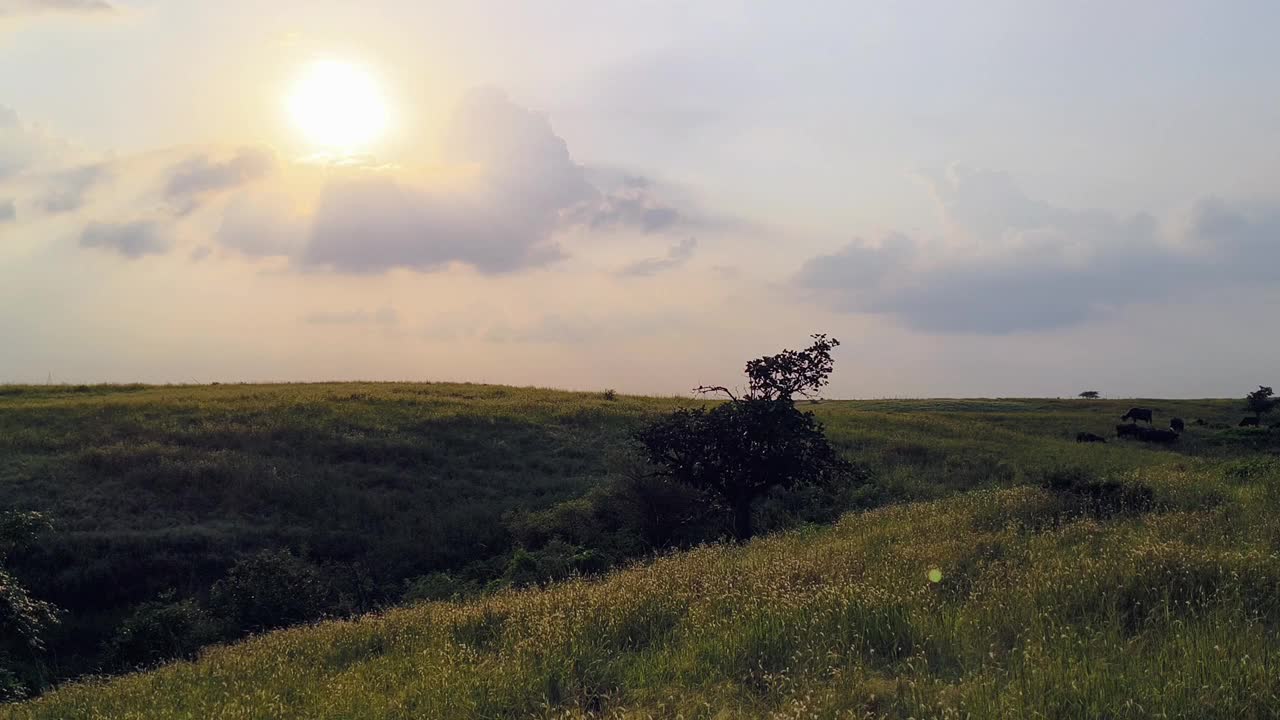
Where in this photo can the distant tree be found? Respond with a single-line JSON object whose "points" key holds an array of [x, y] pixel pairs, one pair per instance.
{"points": [[1260, 401], [737, 451], [1090, 394], [23, 619]]}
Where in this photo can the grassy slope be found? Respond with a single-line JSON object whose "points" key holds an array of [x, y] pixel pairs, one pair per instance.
{"points": [[159, 488], [1171, 614], [718, 626]]}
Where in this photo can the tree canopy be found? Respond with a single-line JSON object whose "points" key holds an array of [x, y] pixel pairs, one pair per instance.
{"points": [[1260, 401], [735, 452]]}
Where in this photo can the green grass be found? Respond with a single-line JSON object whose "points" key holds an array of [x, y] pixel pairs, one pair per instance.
{"points": [[154, 489], [1039, 613], [160, 488]]}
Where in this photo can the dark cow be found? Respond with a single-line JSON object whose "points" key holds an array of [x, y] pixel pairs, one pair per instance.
{"points": [[1088, 437], [1248, 422], [1177, 425], [1127, 430], [1136, 414], [1158, 436]]}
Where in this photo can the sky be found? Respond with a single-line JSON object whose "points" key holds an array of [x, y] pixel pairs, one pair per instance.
{"points": [[999, 198]]}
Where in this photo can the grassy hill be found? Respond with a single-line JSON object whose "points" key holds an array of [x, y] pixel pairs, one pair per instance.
{"points": [[391, 492], [1041, 608]]}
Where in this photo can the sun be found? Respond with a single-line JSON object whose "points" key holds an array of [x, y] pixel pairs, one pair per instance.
{"points": [[337, 106]]}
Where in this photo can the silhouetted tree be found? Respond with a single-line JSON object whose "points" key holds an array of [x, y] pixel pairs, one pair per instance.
{"points": [[23, 619], [1090, 394], [735, 452], [1260, 401]]}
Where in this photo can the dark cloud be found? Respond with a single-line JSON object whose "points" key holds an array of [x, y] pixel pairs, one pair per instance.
{"points": [[1019, 265], [131, 239], [8, 211], [32, 7], [676, 256], [69, 189], [198, 175], [382, 316]]}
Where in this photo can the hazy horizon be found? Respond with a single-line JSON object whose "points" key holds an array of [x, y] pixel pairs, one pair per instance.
{"points": [[1010, 200]]}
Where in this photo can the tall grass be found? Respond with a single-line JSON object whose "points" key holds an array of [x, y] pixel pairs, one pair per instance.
{"points": [[1039, 612]]}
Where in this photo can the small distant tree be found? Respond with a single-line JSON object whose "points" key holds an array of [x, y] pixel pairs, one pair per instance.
{"points": [[737, 451], [23, 619], [1090, 394], [1260, 401]]}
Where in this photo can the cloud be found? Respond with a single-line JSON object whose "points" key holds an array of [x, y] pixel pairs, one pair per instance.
{"points": [[132, 239], [632, 204], [68, 190], [382, 316], [1014, 264], [676, 256], [373, 224], [8, 211], [33, 7], [512, 185], [199, 175]]}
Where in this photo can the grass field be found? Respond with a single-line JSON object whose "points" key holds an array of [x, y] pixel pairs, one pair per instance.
{"points": [[1046, 606]]}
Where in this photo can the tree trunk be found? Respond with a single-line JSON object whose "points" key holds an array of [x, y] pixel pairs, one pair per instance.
{"points": [[742, 519]]}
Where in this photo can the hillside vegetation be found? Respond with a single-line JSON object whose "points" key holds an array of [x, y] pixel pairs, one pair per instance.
{"points": [[1043, 607], [177, 510]]}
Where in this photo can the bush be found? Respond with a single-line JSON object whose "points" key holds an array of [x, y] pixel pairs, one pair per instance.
{"points": [[161, 630], [557, 560], [270, 590], [24, 619], [438, 586]]}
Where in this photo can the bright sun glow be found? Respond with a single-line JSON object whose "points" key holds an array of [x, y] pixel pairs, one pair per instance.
{"points": [[338, 106]]}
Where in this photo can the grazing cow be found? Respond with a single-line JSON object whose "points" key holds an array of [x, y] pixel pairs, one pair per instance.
{"points": [[1248, 422], [1157, 436], [1127, 430], [1177, 425], [1088, 437], [1136, 414]]}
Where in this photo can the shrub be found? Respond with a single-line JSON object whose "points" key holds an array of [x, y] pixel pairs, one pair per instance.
{"points": [[161, 630], [438, 586], [23, 618], [557, 560], [269, 590]]}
